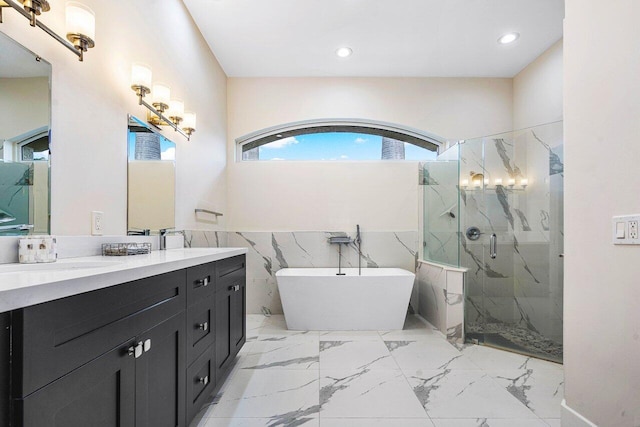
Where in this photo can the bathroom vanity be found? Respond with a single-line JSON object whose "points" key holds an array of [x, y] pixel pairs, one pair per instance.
{"points": [[147, 351]]}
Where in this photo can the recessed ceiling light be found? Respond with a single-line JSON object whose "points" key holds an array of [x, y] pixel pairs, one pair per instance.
{"points": [[509, 38], [343, 52]]}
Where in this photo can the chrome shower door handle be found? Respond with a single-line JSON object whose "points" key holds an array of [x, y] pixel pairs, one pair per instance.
{"points": [[493, 246]]}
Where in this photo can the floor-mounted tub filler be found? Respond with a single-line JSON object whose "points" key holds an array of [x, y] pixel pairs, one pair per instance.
{"points": [[318, 299]]}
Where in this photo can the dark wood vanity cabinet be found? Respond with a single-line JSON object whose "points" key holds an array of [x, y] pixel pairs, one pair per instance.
{"points": [[139, 354], [230, 310]]}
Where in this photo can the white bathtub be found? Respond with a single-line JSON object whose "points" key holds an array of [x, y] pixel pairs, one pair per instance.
{"points": [[318, 299]]}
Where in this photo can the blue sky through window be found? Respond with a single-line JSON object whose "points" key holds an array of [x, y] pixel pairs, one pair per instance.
{"points": [[335, 146]]}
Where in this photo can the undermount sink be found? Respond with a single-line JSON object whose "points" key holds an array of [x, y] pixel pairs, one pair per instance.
{"points": [[55, 266]]}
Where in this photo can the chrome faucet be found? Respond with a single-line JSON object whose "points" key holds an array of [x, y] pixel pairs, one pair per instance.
{"points": [[163, 239], [21, 227], [163, 236], [139, 232]]}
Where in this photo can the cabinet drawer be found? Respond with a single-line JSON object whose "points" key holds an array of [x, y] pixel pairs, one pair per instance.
{"points": [[99, 393], [200, 279], [52, 339], [201, 382], [229, 272], [200, 328]]}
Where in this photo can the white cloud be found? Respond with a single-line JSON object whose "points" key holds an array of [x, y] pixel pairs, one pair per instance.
{"points": [[277, 158], [168, 154], [360, 140], [344, 156], [281, 143]]}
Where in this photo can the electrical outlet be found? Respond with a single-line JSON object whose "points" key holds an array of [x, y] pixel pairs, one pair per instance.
{"points": [[626, 230], [97, 223], [633, 229]]}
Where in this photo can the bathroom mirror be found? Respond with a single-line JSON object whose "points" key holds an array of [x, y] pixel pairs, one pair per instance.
{"points": [[25, 120], [151, 178]]}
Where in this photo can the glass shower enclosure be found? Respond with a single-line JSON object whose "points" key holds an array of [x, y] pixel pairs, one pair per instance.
{"points": [[494, 205]]}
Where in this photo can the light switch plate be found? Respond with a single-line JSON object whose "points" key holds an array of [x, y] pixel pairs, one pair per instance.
{"points": [[625, 229]]}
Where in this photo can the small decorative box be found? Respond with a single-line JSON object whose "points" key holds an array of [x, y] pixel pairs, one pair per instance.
{"points": [[34, 249]]}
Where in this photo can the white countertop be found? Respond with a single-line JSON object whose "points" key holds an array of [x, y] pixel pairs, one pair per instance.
{"points": [[38, 283]]}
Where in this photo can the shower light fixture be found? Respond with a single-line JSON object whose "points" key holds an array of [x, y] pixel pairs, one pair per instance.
{"points": [[141, 82], [80, 20]]}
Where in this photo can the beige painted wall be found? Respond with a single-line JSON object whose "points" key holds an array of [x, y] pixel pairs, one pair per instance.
{"points": [[537, 90], [602, 292], [379, 196], [91, 101], [30, 113]]}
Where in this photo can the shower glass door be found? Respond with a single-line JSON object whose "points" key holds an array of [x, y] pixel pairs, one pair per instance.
{"points": [[511, 222]]}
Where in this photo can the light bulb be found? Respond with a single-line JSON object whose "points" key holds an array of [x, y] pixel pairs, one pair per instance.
{"points": [[141, 76], [161, 94], [80, 20], [509, 38], [176, 110], [189, 121]]}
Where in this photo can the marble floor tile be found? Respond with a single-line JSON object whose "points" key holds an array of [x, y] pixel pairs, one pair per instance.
{"points": [[254, 325], [415, 328], [465, 394], [350, 336], [541, 390], [355, 355], [376, 422], [367, 393], [488, 422], [309, 421], [492, 358], [282, 355], [267, 394], [288, 336], [428, 354]]}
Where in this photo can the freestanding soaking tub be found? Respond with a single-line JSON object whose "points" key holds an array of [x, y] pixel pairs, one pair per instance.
{"points": [[318, 299]]}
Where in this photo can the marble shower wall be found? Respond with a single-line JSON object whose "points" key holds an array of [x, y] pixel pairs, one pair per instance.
{"points": [[271, 251], [441, 210], [441, 298], [523, 285]]}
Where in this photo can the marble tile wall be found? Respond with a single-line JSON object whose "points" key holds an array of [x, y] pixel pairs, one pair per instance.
{"points": [[271, 251], [523, 285], [441, 298]]}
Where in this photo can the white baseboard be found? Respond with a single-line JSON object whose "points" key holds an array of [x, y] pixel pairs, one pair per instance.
{"points": [[571, 418]]}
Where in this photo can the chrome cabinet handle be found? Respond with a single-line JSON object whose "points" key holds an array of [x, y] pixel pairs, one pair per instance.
{"points": [[203, 326], [204, 380], [493, 246], [147, 345], [203, 282], [235, 288], [136, 350]]}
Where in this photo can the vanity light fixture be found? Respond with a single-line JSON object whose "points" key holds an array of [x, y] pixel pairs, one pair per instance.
{"points": [[189, 123], [164, 111], [81, 22]]}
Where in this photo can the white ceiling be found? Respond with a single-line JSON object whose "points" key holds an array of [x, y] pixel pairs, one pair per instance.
{"points": [[445, 38]]}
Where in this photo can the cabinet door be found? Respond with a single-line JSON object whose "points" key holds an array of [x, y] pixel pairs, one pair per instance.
{"points": [[160, 375], [238, 325], [223, 345], [5, 355], [98, 394]]}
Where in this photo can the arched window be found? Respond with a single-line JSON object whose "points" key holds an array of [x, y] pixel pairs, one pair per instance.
{"points": [[338, 139]]}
